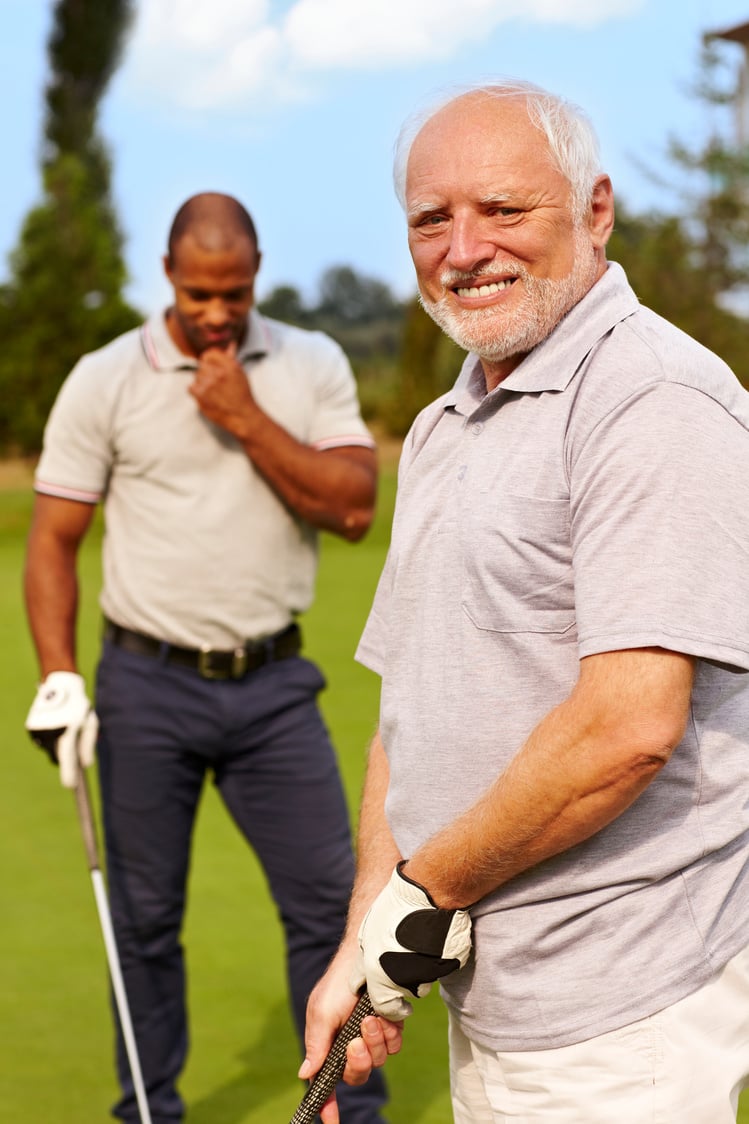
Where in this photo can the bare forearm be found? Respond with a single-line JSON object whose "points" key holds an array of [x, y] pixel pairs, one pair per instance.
{"points": [[543, 804], [51, 591], [50, 580], [333, 490], [584, 765], [377, 852]]}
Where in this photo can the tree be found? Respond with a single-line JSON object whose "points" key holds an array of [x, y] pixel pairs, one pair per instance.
{"points": [[64, 296], [285, 303], [719, 207], [354, 298], [693, 268], [428, 364], [359, 312]]}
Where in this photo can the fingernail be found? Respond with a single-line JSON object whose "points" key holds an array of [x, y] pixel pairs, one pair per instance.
{"points": [[304, 1069], [358, 1048]]}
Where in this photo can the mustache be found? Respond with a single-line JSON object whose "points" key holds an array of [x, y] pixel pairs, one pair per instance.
{"points": [[452, 277]]}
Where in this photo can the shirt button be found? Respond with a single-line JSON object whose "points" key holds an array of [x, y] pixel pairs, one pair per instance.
{"points": [[476, 428]]}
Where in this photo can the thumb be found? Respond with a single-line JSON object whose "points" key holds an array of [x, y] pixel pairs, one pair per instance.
{"points": [[322, 1026], [316, 1045]]}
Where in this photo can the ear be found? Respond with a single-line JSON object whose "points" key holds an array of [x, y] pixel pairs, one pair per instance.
{"points": [[601, 221], [168, 268]]}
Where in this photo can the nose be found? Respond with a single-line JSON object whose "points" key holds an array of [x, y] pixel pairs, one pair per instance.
{"points": [[470, 245], [216, 312]]}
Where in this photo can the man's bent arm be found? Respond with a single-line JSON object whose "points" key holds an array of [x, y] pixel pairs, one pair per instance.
{"points": [[333, 489], [50, 579], [583, 765]]}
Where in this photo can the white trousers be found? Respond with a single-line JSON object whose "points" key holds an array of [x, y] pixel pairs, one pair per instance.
{"points": [[686, 1064]]}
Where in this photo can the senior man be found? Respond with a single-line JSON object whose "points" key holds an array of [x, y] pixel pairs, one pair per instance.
{"points": [[562, 632]]}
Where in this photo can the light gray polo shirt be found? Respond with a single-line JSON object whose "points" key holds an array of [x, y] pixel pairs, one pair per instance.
{"points": [[198, 549], [596, 500]]}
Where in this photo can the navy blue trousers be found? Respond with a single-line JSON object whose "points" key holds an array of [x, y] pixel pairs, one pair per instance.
{"points": [[163, 729]]}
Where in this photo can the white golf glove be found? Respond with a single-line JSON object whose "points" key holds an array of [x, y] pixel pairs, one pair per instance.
{"points": [[406, 943], [63, 723]]}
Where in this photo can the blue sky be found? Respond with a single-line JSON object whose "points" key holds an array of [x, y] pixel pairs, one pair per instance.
{"points": [[294, 105]]}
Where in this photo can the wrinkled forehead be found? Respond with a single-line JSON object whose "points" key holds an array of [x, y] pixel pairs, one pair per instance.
{"points": [[483, 141], [478, 110]]}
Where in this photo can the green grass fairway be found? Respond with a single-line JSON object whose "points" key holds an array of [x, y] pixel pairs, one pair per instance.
{"points": [[55, 1040], [56, 1062]]}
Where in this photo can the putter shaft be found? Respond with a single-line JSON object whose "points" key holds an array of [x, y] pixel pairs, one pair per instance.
{"points": [[88, 830]]}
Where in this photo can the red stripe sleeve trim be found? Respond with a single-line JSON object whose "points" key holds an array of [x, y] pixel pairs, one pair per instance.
{"points": [[79, 494], [346, 439]]}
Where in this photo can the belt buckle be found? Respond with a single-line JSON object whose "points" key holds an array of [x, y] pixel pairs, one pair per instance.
{"points": [[205, 670]]}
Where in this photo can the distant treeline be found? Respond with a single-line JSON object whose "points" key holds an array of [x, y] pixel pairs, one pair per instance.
{"points": [[64, 295]]}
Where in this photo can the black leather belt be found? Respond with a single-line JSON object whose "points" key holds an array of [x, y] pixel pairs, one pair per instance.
{"points": [[211, 663]]}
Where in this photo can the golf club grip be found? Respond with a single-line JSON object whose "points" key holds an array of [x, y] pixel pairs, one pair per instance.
{"points": [[329, 1074]]}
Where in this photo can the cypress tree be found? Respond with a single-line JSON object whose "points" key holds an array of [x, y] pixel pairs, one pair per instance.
{"points": [[64, 296]]}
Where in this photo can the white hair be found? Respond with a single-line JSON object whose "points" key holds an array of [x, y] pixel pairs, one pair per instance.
{"points": [[572, 140]]}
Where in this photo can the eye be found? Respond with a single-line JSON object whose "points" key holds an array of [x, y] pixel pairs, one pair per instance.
{"points": [[429, 221], [198, 295]]}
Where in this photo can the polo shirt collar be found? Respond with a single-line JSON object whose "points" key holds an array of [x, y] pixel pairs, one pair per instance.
{"points": [[553, 364], [163, 354]]}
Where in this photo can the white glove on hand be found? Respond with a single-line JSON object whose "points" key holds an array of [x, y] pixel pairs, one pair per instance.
{"points": [[406, 943], [62, 722]]}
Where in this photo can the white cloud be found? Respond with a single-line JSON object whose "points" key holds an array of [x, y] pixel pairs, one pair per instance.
{"points": [[196, 25], [241, 70], [352, 33], [337, 33], [205, 53]]}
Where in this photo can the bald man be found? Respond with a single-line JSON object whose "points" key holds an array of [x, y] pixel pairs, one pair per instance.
{"points": [[220, 443], [555, 821]]}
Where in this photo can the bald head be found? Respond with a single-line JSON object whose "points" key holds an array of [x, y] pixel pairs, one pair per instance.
{"points": [[214, 222], [212, 262], [571, 139]]}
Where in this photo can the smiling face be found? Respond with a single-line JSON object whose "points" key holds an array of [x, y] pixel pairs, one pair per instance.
{"points": [[213, 292], [498, 256]]}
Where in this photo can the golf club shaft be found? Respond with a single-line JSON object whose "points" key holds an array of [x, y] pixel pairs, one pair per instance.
{"points": [[329, 1074], [85, 815]]}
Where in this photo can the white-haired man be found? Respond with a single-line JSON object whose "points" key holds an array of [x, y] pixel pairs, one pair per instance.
{"points": [[562, 632]]}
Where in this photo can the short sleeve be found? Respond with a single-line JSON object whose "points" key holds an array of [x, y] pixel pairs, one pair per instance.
{"points": [[660, 527], [76, 455], [372, 649], [372, 646], [337, 418]]}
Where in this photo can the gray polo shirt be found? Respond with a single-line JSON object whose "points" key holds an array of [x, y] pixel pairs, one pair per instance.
{"points": [[198, 549], [596, 500]]}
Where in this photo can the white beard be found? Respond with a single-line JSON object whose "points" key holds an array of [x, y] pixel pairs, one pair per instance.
{"points": [[497, 333]]}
